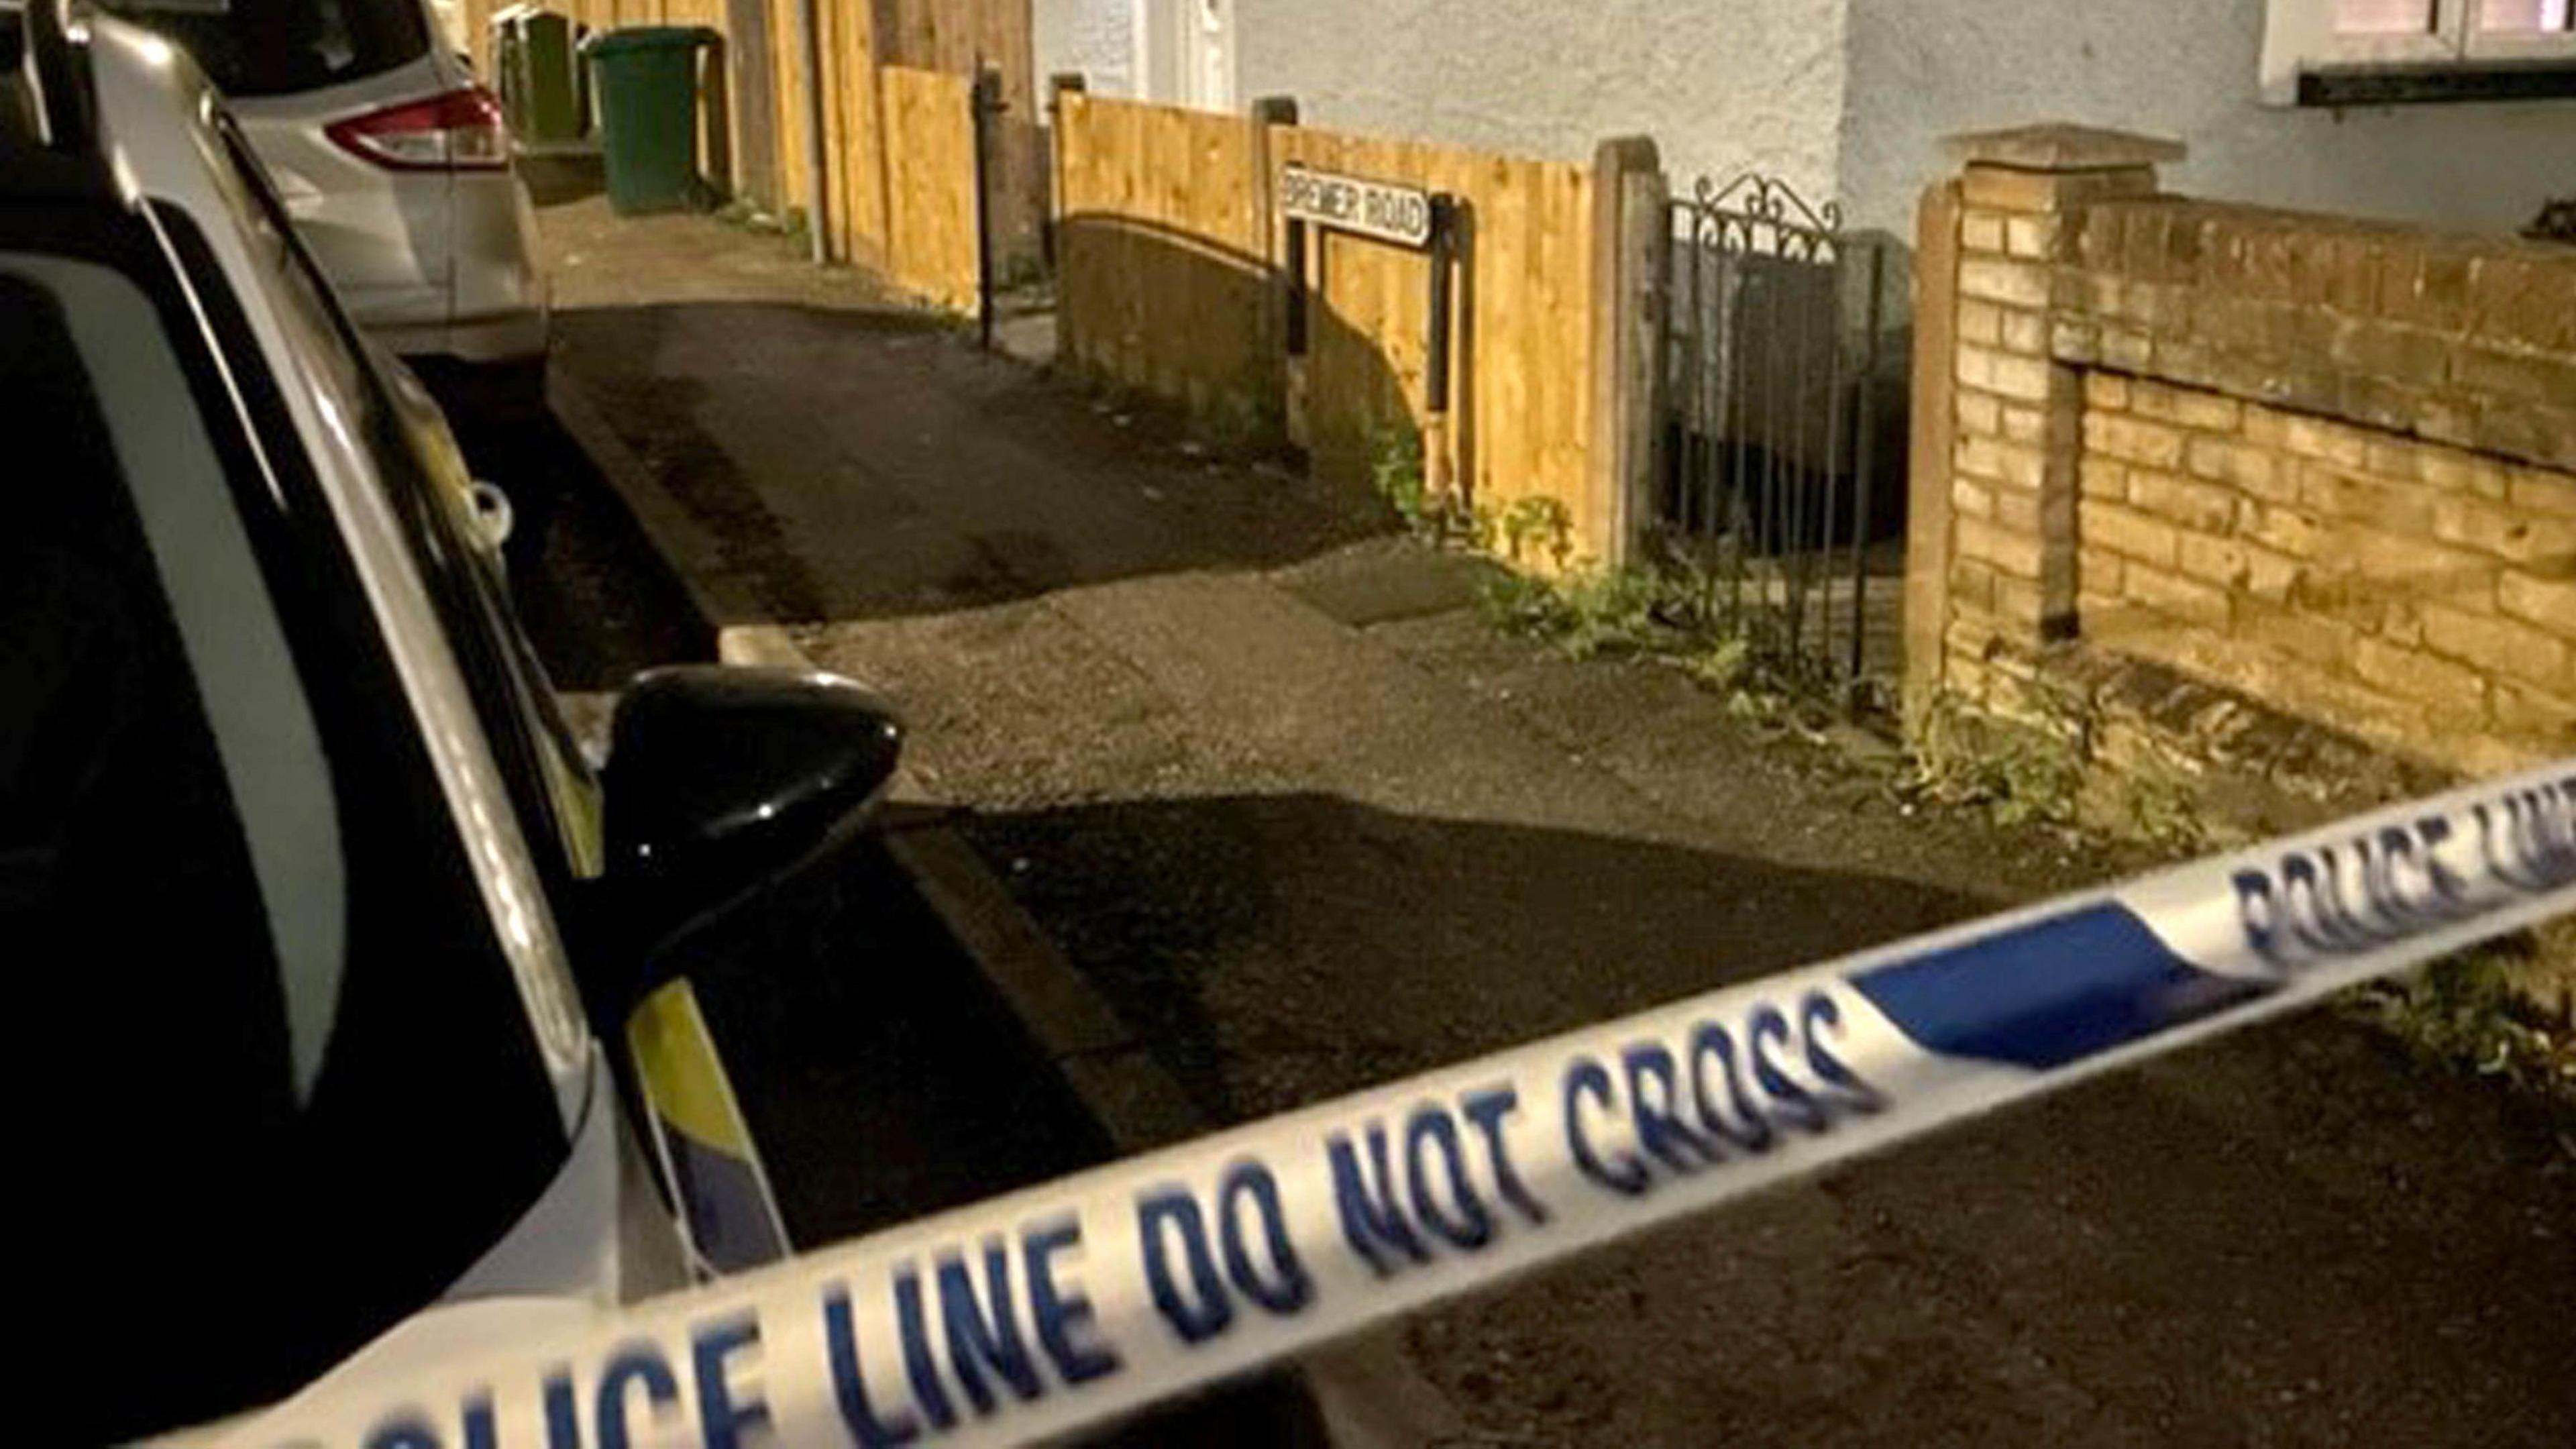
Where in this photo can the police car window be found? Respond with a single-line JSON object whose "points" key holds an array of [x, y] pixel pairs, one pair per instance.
{"points": [[244, 765], [275, 47], [287, 1006]]}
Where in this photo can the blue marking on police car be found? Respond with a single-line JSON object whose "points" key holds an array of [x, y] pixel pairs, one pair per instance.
{"points": [[724, 1203]]}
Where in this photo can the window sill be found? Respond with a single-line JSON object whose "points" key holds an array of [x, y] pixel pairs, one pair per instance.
{"points": [[2398, 85]]}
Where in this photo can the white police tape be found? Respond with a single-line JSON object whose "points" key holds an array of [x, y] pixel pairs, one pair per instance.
{"points": [[1060, 1306]]}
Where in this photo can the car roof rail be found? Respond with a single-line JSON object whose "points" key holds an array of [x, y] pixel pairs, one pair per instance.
{"points": [[56, 75]]}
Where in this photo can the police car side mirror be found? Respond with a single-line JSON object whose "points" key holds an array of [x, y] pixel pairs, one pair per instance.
{"points": [[722, 779]]}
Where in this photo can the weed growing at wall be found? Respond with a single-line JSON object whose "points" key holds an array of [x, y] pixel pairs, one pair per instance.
{"points": [[1023, 270], [1395, 471], [2465, 1013], [1244, 418], [2044, 766], [1679, 616], [2017, 772]]}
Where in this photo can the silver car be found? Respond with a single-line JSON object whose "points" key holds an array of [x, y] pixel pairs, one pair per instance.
{"points": [[395, 165]]}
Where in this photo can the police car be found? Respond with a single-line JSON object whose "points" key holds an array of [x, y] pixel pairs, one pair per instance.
{"points": [[342, 964]]}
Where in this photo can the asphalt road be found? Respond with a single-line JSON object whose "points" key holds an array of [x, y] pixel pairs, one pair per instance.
{"points": [[883, 1080]]}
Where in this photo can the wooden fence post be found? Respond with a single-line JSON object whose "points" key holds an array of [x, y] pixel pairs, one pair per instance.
{"points": [[1059, 85], [1267, 112], [1931, 423], [818, 169], [1631, 239], [754, 103]]}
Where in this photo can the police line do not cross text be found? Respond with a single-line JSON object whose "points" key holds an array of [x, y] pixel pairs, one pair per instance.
{"points": [[1065, 1304]]}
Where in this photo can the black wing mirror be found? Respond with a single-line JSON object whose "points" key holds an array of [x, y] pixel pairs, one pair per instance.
{"points": [[721, 780]]}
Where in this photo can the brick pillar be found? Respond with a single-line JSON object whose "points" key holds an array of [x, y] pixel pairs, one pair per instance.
{"points": [[1995, 513]]}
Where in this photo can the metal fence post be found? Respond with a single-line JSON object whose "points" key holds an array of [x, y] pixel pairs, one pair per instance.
{"points": [[985, 105]]}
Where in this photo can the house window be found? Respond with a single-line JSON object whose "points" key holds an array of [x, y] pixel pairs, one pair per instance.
{"points": [[2350, 52]]}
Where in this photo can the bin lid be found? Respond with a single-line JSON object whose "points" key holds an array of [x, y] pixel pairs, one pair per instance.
{"points": [[649, 37]]}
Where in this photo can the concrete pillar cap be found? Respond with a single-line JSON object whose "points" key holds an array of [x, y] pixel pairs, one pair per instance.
{"points": [[2059, 146]]}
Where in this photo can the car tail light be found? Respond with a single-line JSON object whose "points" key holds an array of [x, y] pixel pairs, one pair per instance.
{"points": [[459, 131]]}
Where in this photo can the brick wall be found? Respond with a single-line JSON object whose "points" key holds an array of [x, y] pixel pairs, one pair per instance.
{"points": [[2450, 339], [2412, 593], [2328, 465]]}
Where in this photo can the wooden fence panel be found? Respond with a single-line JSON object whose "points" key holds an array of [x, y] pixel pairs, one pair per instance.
{"points": [[1521, 334], [1164, 286], [858, 152], [956, 36], [930, 241], [787, 99], [1162, 283]]}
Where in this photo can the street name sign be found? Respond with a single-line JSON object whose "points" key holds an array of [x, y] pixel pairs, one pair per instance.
{"points": [[1379, 209]]}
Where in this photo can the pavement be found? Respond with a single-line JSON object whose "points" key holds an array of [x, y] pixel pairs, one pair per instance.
{"points": [[1246, 784]]}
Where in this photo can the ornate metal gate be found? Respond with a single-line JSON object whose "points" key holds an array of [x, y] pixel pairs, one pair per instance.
{"points": [[1778, 481]]}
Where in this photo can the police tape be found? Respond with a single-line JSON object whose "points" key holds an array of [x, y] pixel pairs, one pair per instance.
{"points": [[1063, 1305]]}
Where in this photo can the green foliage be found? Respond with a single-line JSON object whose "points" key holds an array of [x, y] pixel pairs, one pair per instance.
{"points": [[1611, 611], [1536, 528], [1240, 419], [2030, 771], [1680, 615], [2044, 768], [2160, 808], [2462, 1012], [2018, 774], [1521, 604], [1395, 470], [1023, 270]]}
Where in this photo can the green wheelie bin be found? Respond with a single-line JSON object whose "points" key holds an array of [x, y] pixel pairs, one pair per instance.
{"points": [[648, 114]]}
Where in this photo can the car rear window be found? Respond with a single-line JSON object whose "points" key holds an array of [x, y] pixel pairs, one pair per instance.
{"points": [[278, 47]]}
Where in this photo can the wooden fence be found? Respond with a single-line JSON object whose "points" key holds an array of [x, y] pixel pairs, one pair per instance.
{"points": [[899, 140], [1521, 324], [1171, 281], [1163, 277], [960, 37], [476, 16], [929, 158]]}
